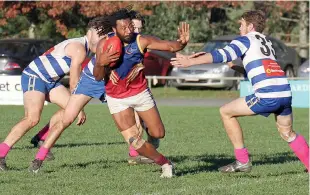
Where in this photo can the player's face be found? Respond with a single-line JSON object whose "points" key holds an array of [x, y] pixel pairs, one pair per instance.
{"points": [[124, 30], [244, 27], [95, 38], [137, 25]]}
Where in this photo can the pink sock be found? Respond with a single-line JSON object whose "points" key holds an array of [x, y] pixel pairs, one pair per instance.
{"points": [[43, 133], [4, 149], [161, 160], [301, 149], [132, 152], [242, 155], [42, 153]]}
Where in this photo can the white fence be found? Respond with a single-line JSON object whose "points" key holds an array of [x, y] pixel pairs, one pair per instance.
{"points": [[155, 79]]}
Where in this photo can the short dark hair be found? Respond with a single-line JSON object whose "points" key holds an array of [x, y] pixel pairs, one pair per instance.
{"points": [[136, 15], [120, 14], [257, 18], [101, 24]]}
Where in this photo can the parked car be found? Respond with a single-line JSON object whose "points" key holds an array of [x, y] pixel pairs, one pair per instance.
{"points": [[157, 63], [209, 75], [304, 70], [16, 54]]}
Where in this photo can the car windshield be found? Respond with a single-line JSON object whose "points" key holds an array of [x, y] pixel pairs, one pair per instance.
{"points": [[14, 49], [212, 45]]}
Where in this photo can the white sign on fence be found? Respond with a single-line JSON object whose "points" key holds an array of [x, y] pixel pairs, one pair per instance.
{"points": [[11, 90]]}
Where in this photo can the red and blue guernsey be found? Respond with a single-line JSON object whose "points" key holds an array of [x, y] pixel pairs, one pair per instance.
{"points": [[127, 78]]}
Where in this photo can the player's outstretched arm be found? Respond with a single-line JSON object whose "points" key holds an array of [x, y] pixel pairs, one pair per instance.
{"points": [[231, 52], [151, 42], [77, 53], [187, 61]]}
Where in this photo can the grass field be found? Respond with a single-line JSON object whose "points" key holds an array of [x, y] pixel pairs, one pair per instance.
{"points": [[92, 159], [171, 92]]}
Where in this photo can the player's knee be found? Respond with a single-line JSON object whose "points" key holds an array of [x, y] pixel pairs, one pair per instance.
{"points": [[67, 121], [132, 136], [136, 142], [224, 112], [32, 120], [286, 132], [158, 133], [130, 132]]}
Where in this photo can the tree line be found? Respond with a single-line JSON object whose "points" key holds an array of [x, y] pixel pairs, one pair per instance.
{"points": [[288, 21]]}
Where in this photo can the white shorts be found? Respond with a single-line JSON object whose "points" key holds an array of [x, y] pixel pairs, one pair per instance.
{"points": [[140, 102]]}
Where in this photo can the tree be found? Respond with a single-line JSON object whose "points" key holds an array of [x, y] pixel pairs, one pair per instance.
{"points": [[57, 19], [304, 28], [287, 20]]}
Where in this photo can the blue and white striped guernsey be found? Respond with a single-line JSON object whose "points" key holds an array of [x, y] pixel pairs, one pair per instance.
{"points": [[89, 68], [258, 56], [54, 64]]}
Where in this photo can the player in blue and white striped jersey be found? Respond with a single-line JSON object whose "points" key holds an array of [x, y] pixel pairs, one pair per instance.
{"points": [[41, 81], [272, 92]]}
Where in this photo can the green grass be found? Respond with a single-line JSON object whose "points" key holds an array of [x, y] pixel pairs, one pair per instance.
{"points": [[92, 159], [171, 92]]}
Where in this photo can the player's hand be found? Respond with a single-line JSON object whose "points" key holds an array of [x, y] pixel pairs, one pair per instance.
{"points": [[181, 61], [107, 57], [81, 118], [195, 55], [182, 56], [183, 32]]}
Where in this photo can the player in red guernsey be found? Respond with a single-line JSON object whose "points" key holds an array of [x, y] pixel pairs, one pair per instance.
{"points": [[126, 85], [134, 157]]}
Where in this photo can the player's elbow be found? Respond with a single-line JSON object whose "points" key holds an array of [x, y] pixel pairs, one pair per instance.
{"points": [[176, 47]]}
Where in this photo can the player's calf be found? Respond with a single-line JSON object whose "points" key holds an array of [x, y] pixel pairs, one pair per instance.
{"points": [[297, 143], [131, 135], [286, 132]]}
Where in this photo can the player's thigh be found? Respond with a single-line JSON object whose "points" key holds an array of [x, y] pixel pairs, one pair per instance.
{"points": [[124, 119], [75, 104], [33, 104], [153, 121], [237, 107], [60, 96], [34, 91]]}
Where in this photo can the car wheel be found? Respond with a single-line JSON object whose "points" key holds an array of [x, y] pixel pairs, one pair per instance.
{"points": [[183, 88], [289, 72]]}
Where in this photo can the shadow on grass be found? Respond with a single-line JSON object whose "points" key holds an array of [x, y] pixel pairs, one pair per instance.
{"points": [[72, 145], [88, 144], [103, 164], [82, 165], [211, 162]]}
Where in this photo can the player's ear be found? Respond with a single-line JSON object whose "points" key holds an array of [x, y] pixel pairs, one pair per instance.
{"points": [[250, 27], [114, 29]]}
